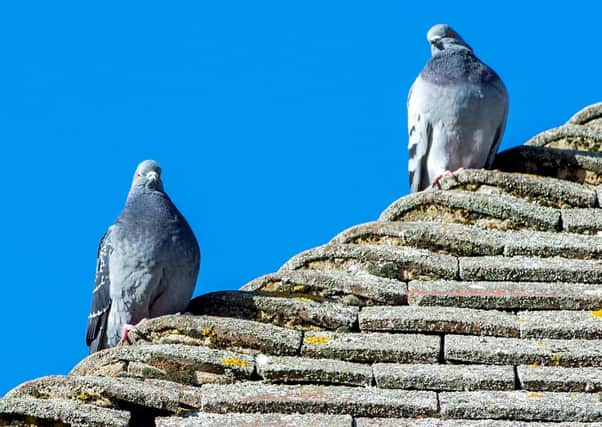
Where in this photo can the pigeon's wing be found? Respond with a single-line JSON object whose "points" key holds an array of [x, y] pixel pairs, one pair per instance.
{"points": [[101, 299], [420, 132], [500, 129]]}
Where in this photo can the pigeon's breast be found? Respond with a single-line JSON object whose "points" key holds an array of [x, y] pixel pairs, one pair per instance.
{"points": [[456, 66], [152, 221]]}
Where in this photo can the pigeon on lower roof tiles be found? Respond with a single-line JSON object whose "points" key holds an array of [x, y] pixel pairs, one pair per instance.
{"points": [[457, 110], [147, 265]]}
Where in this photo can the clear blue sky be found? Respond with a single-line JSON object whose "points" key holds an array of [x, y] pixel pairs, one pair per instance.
{"points": [[278, 124]]}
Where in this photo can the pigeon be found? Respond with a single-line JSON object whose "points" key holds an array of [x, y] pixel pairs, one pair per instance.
{"points": [[457, 110], [147, 262]]}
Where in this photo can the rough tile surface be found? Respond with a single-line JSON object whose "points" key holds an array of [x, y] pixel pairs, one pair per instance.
{"points": [[372, 347], [521, 405], [506, 295], [58, 411], [560, 324], [514, 351], [318, 399], [257, 420], [218, 332], [444, 377], [553, 378], [527, 269], [304, 370], [449, 320]]}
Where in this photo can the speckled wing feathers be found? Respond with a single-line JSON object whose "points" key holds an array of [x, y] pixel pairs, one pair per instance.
{"points": [[101, 299]]}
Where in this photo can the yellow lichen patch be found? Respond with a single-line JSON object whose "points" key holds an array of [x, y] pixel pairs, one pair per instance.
{"points": [[86, 397], [555, 358], [316, 339], [535, 366], [541, 345], [303, 299], [234, 361], [597, 313], [534, 396], [299, 288], [207, 330]]}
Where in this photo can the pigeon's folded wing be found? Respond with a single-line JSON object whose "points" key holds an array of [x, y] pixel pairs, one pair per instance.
{"points": [[101, 299]]}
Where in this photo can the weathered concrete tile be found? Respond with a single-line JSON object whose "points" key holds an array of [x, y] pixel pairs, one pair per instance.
{"points": [[541, 190], [180, 363], [581, 220], [296, 313], [515, 351], [560, 324], [527, 406], [356, 401], [506, 295], [549, 244], [438, 422], [444, 377], [351, 289], [438, 319], [450, 238], [548, 378], [569, 165], [400, 263], [523, 269], [570, 137], [372, 347], [218, 332], [304, 370], [588, 116], [484, 210], [257, 420], [101, 391], [67, 412]]}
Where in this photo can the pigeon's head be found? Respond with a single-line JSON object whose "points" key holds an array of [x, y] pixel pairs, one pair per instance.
{"points": [[442, 36], [148, 175]]}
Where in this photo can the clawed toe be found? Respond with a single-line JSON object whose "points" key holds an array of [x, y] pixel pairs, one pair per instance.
{"points": [[127, 328]]}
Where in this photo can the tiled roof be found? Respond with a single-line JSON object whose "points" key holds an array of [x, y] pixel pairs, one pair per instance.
{"points": [[475, 303]]}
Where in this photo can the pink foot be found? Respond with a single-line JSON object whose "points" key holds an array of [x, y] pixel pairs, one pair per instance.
{"points": [[446, 174], [127, 328]]}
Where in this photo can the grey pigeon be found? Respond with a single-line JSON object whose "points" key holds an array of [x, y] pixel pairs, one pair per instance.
{"points": [[457, 110], [147, 265]]}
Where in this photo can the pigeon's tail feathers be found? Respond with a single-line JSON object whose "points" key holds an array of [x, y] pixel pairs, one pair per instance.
{"points": [[101, 299], [498, 134], [494, 147], [97, 330], [421, 138]]}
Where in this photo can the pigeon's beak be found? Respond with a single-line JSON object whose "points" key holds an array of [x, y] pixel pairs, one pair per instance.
{"points": [[152, 176]]}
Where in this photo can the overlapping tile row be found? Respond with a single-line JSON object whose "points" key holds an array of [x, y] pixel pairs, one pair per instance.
{"points": [[469, 240], [475, 302]]}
